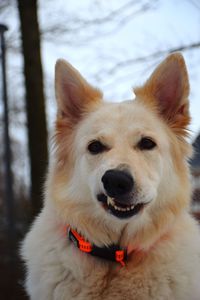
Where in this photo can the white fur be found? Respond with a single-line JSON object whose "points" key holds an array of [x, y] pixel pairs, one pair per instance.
{"points": [[166, 264]]}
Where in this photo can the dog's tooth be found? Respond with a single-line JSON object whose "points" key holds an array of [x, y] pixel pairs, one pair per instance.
{"points": [[119, 208], [110, 201], [124, 209]]}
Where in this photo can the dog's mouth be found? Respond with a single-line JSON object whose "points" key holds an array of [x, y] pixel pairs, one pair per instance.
{"points": [[118, 209]]}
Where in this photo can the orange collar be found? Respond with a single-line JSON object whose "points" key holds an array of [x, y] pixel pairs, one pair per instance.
{"points": [[113, 252]]}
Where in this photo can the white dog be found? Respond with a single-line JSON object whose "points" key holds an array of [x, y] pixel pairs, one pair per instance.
{"points": [[116, 221]]}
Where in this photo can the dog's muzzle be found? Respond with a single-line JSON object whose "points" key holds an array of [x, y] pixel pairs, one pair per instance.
{"points": [[118, 198]]}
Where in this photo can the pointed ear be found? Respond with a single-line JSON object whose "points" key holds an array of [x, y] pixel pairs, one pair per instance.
{"points": [[167, 90], [73, 93]]}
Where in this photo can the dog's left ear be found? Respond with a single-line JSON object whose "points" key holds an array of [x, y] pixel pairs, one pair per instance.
{"points": [[73, 93], [167, 91]]}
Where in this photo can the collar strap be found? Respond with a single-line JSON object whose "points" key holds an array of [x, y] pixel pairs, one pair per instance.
{"points": [[112, 252]]}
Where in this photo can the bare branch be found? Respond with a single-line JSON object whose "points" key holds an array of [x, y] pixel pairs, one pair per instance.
{"points": [[122, 15], [156, 54], [195, 3]]}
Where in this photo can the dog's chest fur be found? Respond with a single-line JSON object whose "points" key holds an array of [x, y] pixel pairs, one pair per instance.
{"points": [[62, 272], [102, 283], [145, 281]]}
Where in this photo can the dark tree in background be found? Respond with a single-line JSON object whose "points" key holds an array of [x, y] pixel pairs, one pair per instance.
{"points": [[35, 100]]}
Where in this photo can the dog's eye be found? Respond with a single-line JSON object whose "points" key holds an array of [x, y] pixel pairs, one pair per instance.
{"points": [[146, 144], [96, 147]]}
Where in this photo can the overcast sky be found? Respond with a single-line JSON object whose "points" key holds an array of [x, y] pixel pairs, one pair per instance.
{"points": [[95, 48], [169, 24]]}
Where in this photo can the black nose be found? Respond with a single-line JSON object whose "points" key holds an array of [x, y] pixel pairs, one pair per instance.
{"points": [[117, 183]]}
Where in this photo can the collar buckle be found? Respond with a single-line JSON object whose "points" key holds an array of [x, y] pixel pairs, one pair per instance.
{"points": [[120, 256], [78, 241]]}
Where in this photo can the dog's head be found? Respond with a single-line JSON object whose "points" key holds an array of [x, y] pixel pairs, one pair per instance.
{"points": [[122, 163]]}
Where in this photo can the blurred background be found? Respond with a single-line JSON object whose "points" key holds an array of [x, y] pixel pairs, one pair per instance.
{"points": [[115, 44]]}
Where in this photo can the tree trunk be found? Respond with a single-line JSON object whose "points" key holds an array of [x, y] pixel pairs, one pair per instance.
{"points": [[35, 100]]}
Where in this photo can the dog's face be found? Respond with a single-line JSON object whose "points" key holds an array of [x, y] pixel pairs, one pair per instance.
{"points": [[119, 150], [119, 161]]}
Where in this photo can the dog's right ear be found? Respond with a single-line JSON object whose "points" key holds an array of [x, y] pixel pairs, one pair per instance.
{"points": [[73, 93]]}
